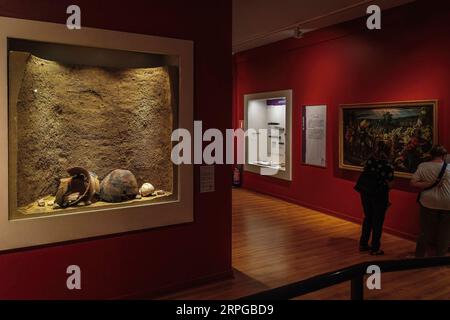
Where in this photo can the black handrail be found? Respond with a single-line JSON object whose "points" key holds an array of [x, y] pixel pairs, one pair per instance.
{"points": [[354, 273]]}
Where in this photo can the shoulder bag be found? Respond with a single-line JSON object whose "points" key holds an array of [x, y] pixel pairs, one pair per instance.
{"points": [[436, 183]]}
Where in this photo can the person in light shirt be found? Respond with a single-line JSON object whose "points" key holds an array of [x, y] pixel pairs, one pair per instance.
{"points": [[434, 202]]}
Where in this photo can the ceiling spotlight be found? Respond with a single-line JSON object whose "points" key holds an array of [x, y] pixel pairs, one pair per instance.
{"points": [[298, 33]]}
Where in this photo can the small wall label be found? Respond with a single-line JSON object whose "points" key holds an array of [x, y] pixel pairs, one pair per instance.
{"points": [[207, 179]]}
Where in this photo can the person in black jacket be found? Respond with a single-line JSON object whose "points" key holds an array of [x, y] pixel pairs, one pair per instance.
{"points": [[374, 186]]}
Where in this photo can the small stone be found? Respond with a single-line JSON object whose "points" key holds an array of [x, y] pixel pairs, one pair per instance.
{"points": [[41, 203], [138, 196], [160, 193], [50, 203], [147, 189]]}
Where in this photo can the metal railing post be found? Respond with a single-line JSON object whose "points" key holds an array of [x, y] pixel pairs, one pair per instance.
{"points": [[357, 288]]}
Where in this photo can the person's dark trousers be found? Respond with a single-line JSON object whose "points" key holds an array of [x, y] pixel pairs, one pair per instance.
{"points": [[434, 224], [375, 207]]}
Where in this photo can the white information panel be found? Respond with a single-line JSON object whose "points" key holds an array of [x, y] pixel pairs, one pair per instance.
{"points": [[207, 179], [314, 135]]}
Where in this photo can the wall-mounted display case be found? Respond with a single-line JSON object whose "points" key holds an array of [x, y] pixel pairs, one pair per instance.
{"points": [[87, 118], [268, 126]]}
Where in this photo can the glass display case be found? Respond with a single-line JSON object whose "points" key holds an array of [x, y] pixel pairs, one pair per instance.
{"points": [[88, 132], [89, 117], [268, 128]]}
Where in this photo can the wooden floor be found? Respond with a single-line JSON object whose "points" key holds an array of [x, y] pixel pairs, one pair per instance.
{"points": [[276, 242]]}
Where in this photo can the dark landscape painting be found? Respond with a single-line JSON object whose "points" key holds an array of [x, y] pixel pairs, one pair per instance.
{"points": [[410, 130]]}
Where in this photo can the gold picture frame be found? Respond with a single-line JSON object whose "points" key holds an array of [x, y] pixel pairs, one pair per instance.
{"points": [[398, 116]]}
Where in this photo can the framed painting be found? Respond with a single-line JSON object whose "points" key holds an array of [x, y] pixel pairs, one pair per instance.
{"points": [[409, 128]]}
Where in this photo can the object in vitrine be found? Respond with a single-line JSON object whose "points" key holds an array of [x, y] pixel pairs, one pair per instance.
{"points": [[268, 125]]}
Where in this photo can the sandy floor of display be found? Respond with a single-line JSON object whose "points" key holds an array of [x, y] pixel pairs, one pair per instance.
{"points": [[35, 209]]}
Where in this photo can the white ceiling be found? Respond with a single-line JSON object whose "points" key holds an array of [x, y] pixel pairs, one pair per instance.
{"points": [[259, 22]]}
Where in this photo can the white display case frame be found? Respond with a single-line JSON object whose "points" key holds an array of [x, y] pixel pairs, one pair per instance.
{"points": [[42, 230], [285, 174]]}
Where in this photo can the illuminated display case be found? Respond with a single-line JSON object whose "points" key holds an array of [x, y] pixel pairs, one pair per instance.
{"points": [[268, 127], [87, 118]]}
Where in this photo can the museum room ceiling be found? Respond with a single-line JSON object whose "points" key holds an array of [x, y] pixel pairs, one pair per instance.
{"points": [[260, 22]]}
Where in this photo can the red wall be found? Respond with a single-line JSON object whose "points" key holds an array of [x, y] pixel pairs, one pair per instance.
{"points": [[409, 59], [142, 263]]}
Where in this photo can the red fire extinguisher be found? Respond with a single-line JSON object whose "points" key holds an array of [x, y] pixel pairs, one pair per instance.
{"points": [[237, 173]]}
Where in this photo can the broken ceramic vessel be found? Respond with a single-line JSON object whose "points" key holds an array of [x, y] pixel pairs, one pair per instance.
{"points": [[120, 185]]}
